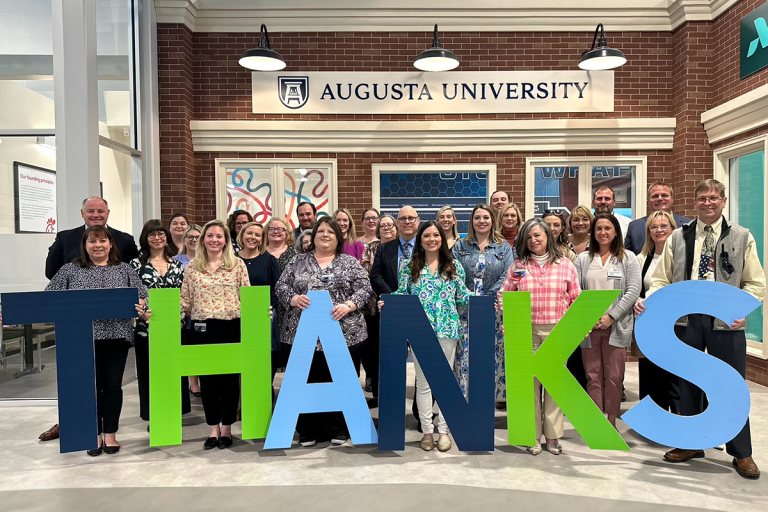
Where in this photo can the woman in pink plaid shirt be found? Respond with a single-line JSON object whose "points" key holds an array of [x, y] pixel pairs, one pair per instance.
{"points": [[543, 270]]}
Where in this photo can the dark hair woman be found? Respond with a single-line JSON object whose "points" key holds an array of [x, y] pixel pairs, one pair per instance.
{"points": [[438, 280], [156, 268], [99, 266], [237, 219], [178, 227]]}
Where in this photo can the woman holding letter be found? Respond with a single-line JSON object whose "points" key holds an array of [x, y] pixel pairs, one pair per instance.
{"points": [[550, 277]]}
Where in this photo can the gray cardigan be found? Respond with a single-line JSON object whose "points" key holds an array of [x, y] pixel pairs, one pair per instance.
{"points": [[621, 309]]}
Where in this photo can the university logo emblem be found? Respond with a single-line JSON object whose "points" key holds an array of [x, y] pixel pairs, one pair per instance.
{"points": [[293, 90], [762, 37]]}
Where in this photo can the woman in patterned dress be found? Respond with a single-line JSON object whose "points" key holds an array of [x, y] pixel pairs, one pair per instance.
{"points": [[99, 266], [485, 256], [156, 268], [438, 280]]}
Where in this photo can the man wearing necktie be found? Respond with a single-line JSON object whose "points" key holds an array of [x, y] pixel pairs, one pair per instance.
{"points": [[711, 249]]}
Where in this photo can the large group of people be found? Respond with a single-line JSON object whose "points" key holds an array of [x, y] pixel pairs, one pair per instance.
{"points": [[551, 256]]}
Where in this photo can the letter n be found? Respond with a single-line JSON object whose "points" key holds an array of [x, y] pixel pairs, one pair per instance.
{"points": [[343, 394], [169, 361], [471, 421], [73, 313], [548, 365]]}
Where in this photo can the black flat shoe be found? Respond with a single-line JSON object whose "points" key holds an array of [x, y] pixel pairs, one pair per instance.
{"points": [[210, 443], [196, 394], [224, 442], [96, 452], [111, 450]]}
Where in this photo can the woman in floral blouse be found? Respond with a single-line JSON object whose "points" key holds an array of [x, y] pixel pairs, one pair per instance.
{"points": [[210, 296], [324, 266], [99, 266], [438, 280], [156, 268], [550, 277]]}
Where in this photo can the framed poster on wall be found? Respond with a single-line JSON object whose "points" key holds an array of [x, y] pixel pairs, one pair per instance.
{"points": [[34, 192], [429, 187]]}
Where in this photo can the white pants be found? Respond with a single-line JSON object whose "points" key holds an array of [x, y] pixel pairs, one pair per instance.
{"points": [[424, 394]]}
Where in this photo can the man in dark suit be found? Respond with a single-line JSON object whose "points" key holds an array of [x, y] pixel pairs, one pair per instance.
{"points": [[391, 256], [66, 247], [660, 197]]}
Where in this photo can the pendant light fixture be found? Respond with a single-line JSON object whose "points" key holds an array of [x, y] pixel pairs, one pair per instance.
{"points": [[262, 58], [602, 57], [436, 58]]}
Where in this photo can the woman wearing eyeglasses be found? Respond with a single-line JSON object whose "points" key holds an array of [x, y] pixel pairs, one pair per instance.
{"points": [[370, 220], [157, 268], [187, 254], [325, 267], [280, 241], [446, 217], [608, 266], [235, 223], [662, 386], [485, 257]]}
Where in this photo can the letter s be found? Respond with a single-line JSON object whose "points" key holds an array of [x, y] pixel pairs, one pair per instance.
{"points": [[726, 389]]}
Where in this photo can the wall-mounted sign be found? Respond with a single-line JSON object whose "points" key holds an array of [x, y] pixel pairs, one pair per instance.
{"points": [[754, 41], [35, 199], [433, 93]]}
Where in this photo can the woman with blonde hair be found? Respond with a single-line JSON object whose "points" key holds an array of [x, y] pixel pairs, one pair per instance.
{"points": [[509, 221], [580, 223], [352, 245], [189, 249], [280, 241], [210, 297], [446, 217]]}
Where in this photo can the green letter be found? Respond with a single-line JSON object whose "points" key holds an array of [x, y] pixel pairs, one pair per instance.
{"points": [[169, 361], [548, 364]]}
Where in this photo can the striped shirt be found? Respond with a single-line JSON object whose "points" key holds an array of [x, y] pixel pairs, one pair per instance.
{"points": [[553, 287]]}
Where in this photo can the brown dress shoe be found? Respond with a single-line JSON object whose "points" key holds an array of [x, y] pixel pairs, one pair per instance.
{"points": [[50, 434], [680, 455], [746, 468]]}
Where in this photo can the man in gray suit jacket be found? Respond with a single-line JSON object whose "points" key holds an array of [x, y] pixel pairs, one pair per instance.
{"points": [[660, 197]]}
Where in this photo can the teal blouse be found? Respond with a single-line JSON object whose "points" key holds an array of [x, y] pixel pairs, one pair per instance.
{"points": [[439, 297]]}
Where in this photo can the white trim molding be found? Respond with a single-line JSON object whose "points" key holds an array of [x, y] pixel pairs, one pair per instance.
{"points": [[451, 15], [747, 112], [528, 135]]}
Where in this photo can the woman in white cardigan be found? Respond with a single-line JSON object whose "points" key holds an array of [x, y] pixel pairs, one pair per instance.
{"points": [[608, 266]]}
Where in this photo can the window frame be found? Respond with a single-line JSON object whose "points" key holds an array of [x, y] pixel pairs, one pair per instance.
{"points": [[721, 158]]}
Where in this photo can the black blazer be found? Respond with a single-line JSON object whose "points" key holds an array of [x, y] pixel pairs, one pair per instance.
{"points": [[66, 247], [635, 239], [384, 271]]}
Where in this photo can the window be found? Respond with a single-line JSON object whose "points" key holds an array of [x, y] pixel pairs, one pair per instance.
{"points": [[742, 167], [249, 184], [429, 187], [560, 184]]}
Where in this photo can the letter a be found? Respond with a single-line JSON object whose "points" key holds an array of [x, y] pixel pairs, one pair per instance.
{"points": [[548, 365], [343, 394]]}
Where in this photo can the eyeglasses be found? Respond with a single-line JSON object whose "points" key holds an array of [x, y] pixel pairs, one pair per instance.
{"points": [[705, 200], [386, 227], [370, 219], [192, 237], [276, 230], [156, 234], [663, 227], [407, 220], [241, 223]]}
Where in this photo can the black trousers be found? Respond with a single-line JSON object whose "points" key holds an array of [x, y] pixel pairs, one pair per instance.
{"points": [[370, 354], [323, 426], [110, 356], [220, 393], [731, 348], [659, 384], [575, 365], [141, 351]]}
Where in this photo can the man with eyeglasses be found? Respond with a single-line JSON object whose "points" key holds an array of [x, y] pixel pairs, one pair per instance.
{"points": [[66, 247], [307, 214], [711, 249], [660, 197], [604, 201]]}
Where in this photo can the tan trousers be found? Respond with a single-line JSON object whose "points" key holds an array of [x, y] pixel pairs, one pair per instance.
{"points": [[552, 419]]}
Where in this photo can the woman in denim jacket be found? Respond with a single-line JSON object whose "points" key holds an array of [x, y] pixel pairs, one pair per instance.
{"points": [[485, 256]]}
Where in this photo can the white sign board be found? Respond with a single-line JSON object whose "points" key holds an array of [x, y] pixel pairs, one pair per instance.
{"points": [[489, 92], [35, 197]]}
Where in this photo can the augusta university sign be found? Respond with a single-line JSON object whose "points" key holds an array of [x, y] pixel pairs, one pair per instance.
{"points": [[433, 93]]}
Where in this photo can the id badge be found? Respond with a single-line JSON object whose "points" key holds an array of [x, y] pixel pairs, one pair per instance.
{"points": [[199, 326], [518, 274], [615, 273]]}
